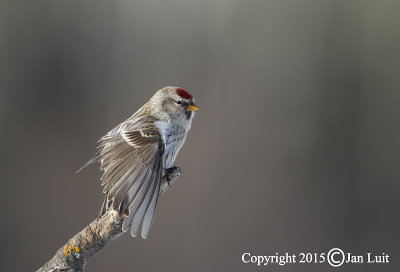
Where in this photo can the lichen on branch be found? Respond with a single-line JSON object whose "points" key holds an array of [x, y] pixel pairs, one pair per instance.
{"points": [[75, 254]]}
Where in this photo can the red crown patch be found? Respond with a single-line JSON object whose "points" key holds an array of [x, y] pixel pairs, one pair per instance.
{"points": [[183, 93]]}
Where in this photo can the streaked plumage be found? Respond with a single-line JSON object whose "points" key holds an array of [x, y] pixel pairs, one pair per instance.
{"points": [[135, 154]]}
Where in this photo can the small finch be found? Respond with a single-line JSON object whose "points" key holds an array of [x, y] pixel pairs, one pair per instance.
{"points": [[139, 151]]}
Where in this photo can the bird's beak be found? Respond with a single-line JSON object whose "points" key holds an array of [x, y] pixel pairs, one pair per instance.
{"points": [[192, 108]]}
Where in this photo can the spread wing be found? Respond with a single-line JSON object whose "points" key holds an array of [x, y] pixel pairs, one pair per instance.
{"points": [[131, 158]]}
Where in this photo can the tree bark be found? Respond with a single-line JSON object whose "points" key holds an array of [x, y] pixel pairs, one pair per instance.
{"points": [[74, 255]]}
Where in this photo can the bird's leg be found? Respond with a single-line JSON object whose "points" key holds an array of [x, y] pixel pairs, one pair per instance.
{"points": [[171, 174]]}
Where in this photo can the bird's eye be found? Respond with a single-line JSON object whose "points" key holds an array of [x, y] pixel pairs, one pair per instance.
{"points": [[178, 102]]}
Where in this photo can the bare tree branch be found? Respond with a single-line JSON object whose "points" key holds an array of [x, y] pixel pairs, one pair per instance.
{"points": [[75, 254]]}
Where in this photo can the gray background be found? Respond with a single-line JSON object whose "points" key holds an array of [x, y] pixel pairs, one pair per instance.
{"points": [[295, 148]]}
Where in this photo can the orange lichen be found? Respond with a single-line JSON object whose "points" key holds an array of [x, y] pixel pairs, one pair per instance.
{"points": [[68, 249]]}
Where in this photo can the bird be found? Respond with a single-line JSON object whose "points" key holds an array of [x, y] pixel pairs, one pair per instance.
{"points": [[137, 153]]}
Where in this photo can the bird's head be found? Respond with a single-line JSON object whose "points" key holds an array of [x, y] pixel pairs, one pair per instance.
{"points": [[174, 104]]}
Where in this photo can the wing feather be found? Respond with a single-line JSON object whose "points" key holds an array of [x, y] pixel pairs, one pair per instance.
{"points": [[145, 202], [150, 212], [137, 197], [131, 158], [135, 184], [114, 183], [122, 167]]}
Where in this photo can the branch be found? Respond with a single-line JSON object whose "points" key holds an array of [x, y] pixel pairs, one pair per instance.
{"points": [[75, 254]]}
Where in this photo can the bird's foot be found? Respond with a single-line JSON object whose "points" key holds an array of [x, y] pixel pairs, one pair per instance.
{"points": [[171, 174]]}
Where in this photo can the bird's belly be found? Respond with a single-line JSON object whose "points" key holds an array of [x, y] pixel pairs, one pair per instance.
{"points": [[172, 147], [174, 137]]}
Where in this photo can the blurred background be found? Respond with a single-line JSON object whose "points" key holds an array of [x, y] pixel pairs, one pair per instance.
{"points": [[295, 147]]}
